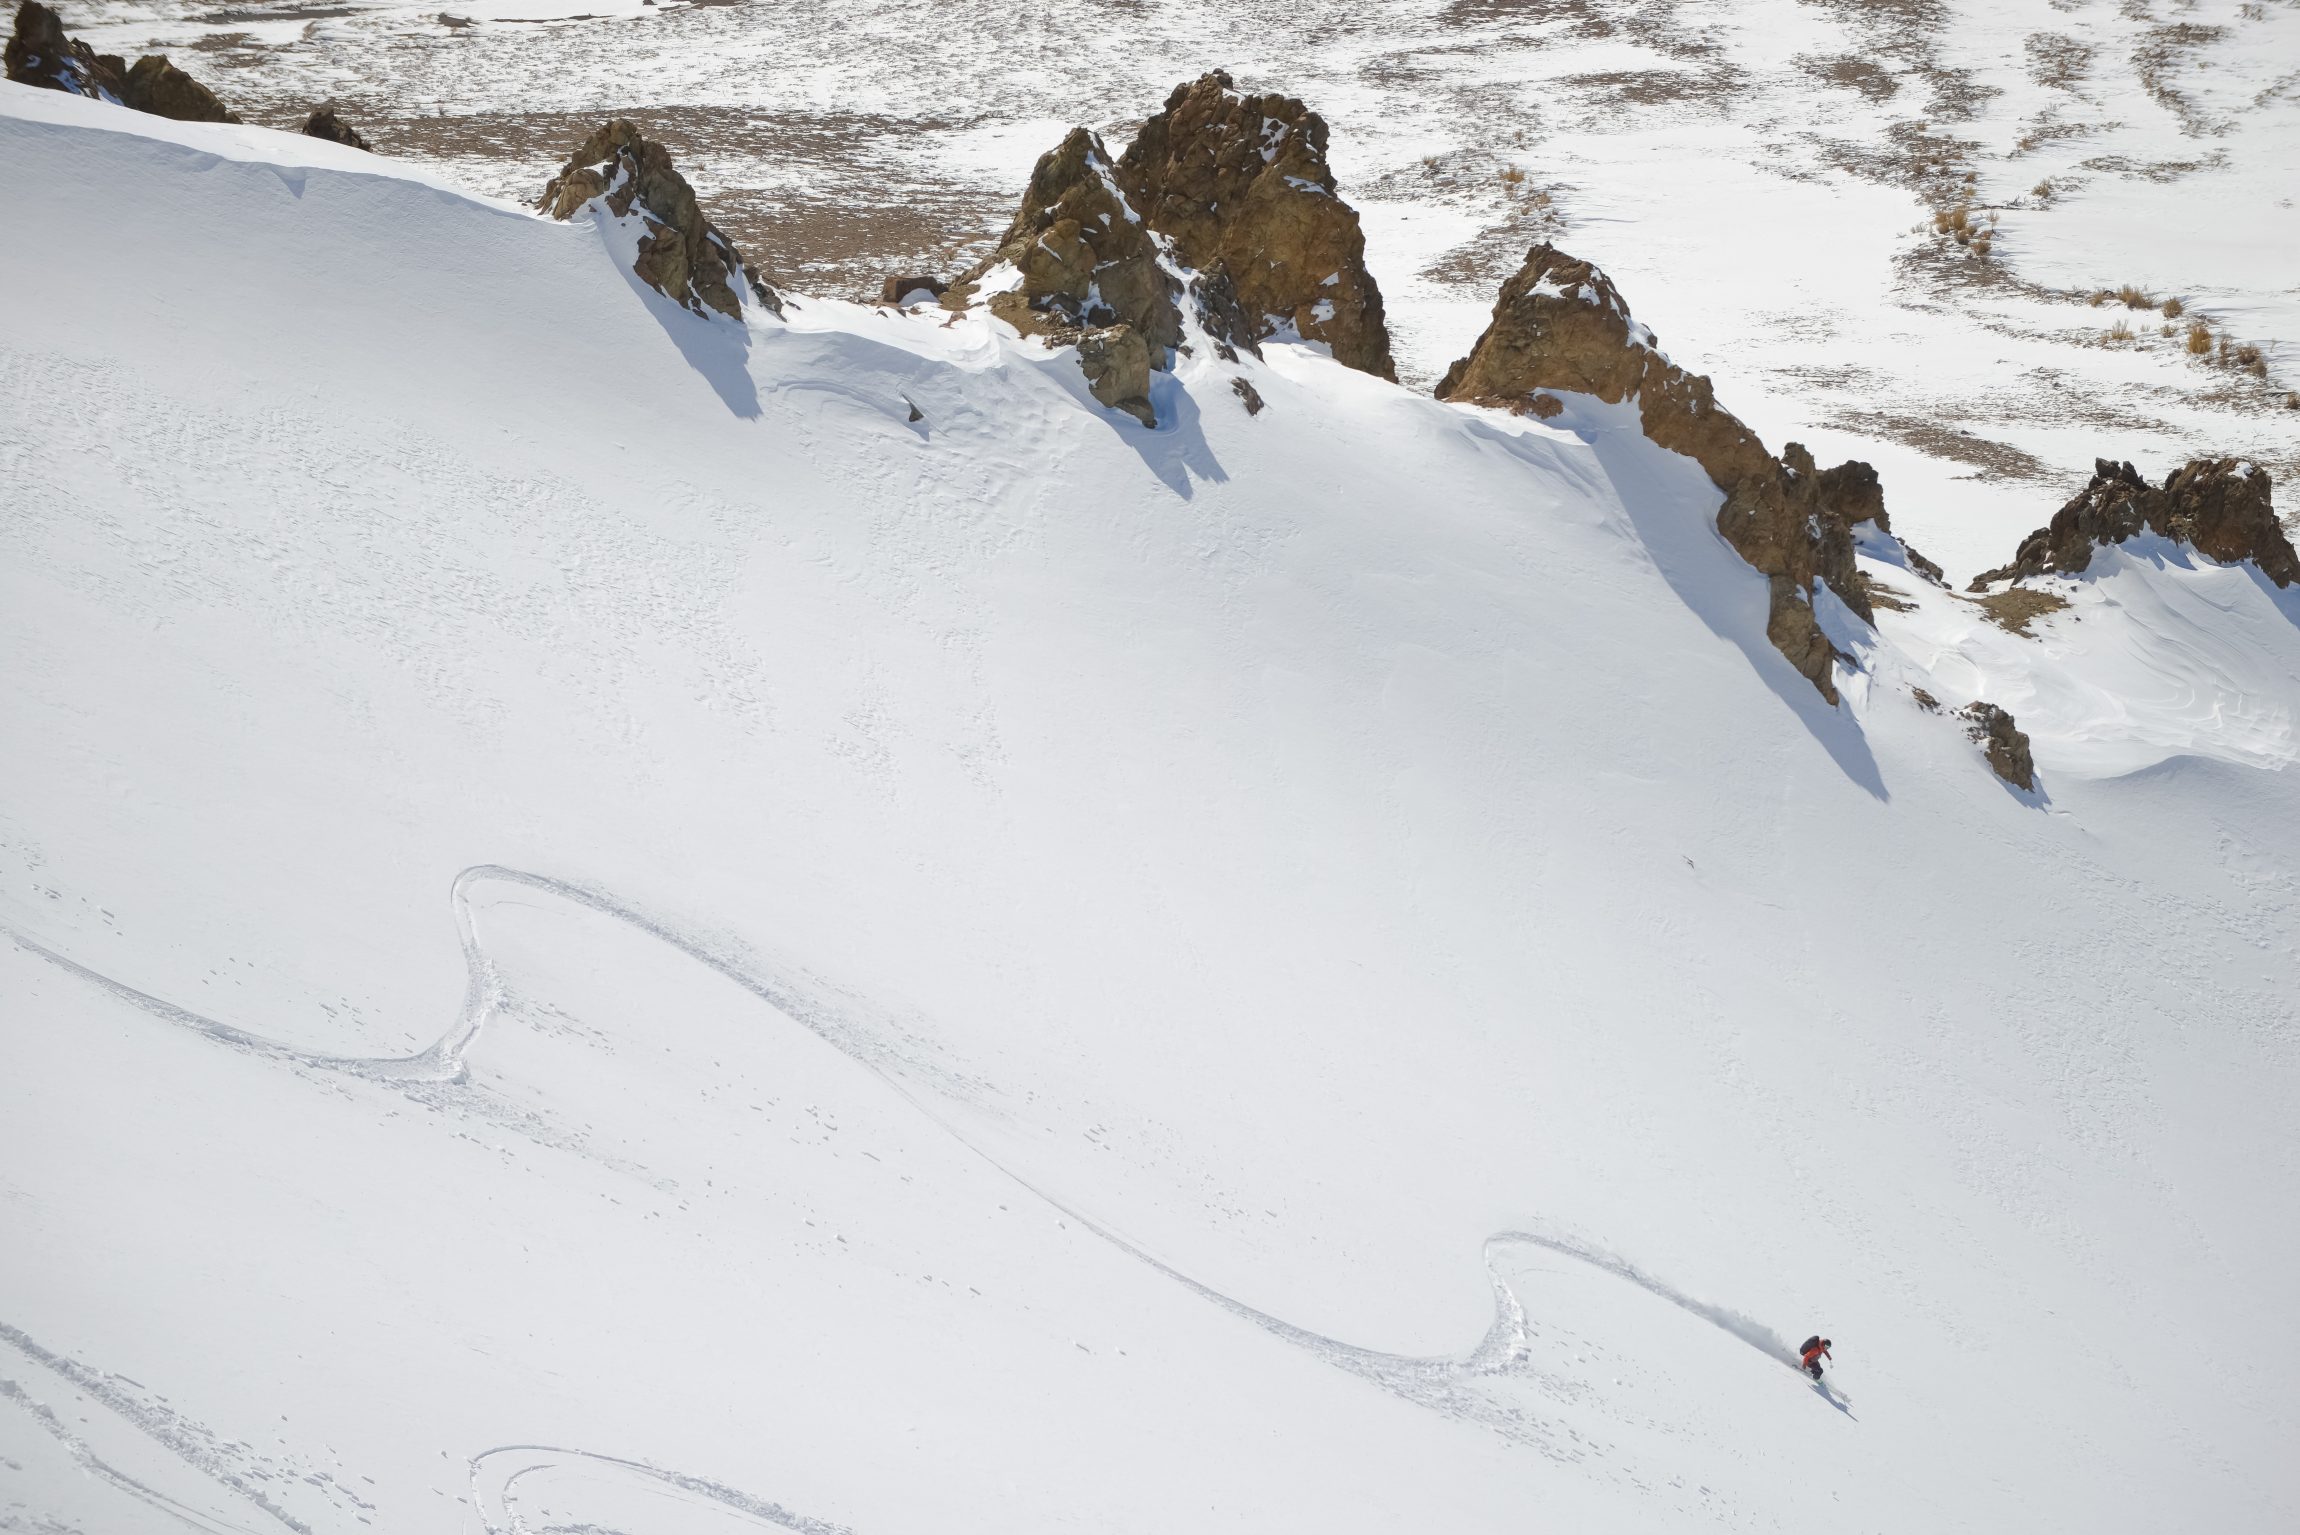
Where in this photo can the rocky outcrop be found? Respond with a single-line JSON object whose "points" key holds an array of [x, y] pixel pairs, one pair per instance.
{"points": [[156, 86], [1560, 326], [38, 53], [2004, 743], [324, 124], [900, 286], [2221, 507], [1077, 257], [1240, 185], [1116, 361], [1079, 266], [681, 255]]}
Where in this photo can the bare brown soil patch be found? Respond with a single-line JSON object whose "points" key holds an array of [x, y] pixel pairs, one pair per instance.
{"points": [[2016, 607]]}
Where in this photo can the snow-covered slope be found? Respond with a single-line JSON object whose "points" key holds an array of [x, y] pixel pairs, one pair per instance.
{"points": [[609, 932], [1762, 176]]}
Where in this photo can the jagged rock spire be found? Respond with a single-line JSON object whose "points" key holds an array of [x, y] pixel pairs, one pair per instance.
{"points": [[681, 254], [1241, 187]]}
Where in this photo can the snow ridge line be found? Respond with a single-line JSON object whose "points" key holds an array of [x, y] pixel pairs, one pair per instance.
{"points": [[1443, 1383]]}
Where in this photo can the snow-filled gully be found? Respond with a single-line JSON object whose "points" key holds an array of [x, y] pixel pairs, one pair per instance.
{"points": [[1449, 1385]]}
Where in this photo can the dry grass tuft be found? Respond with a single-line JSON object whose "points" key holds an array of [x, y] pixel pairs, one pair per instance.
{"points": [[2120, 331], [1513, 176], [2133, 298], [2016, 607], [1880, 595], [2173, 309], [2199, 338]]}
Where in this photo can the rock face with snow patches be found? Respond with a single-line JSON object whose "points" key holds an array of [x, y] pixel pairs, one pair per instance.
{"points": [[1078, 258], [2221, 507], [2004, 743], [1561, 325], [1240, 185], [681, 255], [39, 53]]}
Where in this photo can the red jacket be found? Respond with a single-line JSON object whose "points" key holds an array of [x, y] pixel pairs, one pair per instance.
{"points": [[1818, 1351]]}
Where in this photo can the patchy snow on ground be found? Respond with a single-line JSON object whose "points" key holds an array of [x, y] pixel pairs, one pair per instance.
{"points": [[604, 931]]}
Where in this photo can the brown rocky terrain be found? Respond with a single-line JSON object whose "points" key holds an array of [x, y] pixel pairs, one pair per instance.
{"points": [[2221, 507], [1561, 325], [681, 256], [160, 88], [324, 124], [2004, 743], [39, 53], [1223, 201], [1086, 263], [1241, 186]]}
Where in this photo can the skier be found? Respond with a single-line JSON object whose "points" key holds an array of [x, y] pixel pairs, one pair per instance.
{"points": [[1815, 1350]]}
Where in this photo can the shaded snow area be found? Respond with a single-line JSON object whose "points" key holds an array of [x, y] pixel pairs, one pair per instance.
{"points": [[627, 922], [1771, 182]]}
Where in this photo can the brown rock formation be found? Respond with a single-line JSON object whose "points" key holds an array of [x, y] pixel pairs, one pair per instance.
{"points": [[1241, 186], [2005, 744], [158, 87], [2219, 506], [38, 53], [324, 124], [1085, 257], [897, 287], [1116, 362], [681, 255], [1560, 324]]}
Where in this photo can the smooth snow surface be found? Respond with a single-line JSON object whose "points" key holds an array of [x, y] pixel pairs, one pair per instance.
{"points": [[607, 933]]}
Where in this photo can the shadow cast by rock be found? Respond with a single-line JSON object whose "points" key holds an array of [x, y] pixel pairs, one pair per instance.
{"points": [[717, 348], [1672, 506], [1175, 450]]}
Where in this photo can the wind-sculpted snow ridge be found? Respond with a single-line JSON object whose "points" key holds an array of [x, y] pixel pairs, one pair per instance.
{"points": [[1447, 1384]]}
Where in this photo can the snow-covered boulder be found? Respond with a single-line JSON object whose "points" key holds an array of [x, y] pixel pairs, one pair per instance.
{"points": [[1560, 326], [2221, 507], [1241, 186], [681, 254]]}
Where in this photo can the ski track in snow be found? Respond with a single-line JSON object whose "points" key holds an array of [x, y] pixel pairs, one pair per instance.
{"points": [[1444, 1384]]}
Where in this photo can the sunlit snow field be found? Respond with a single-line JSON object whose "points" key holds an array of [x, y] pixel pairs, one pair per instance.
{"points": [[618, 922]]}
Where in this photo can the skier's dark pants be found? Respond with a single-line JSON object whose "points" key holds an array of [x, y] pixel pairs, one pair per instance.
{"points": [[1814, 1369]]}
